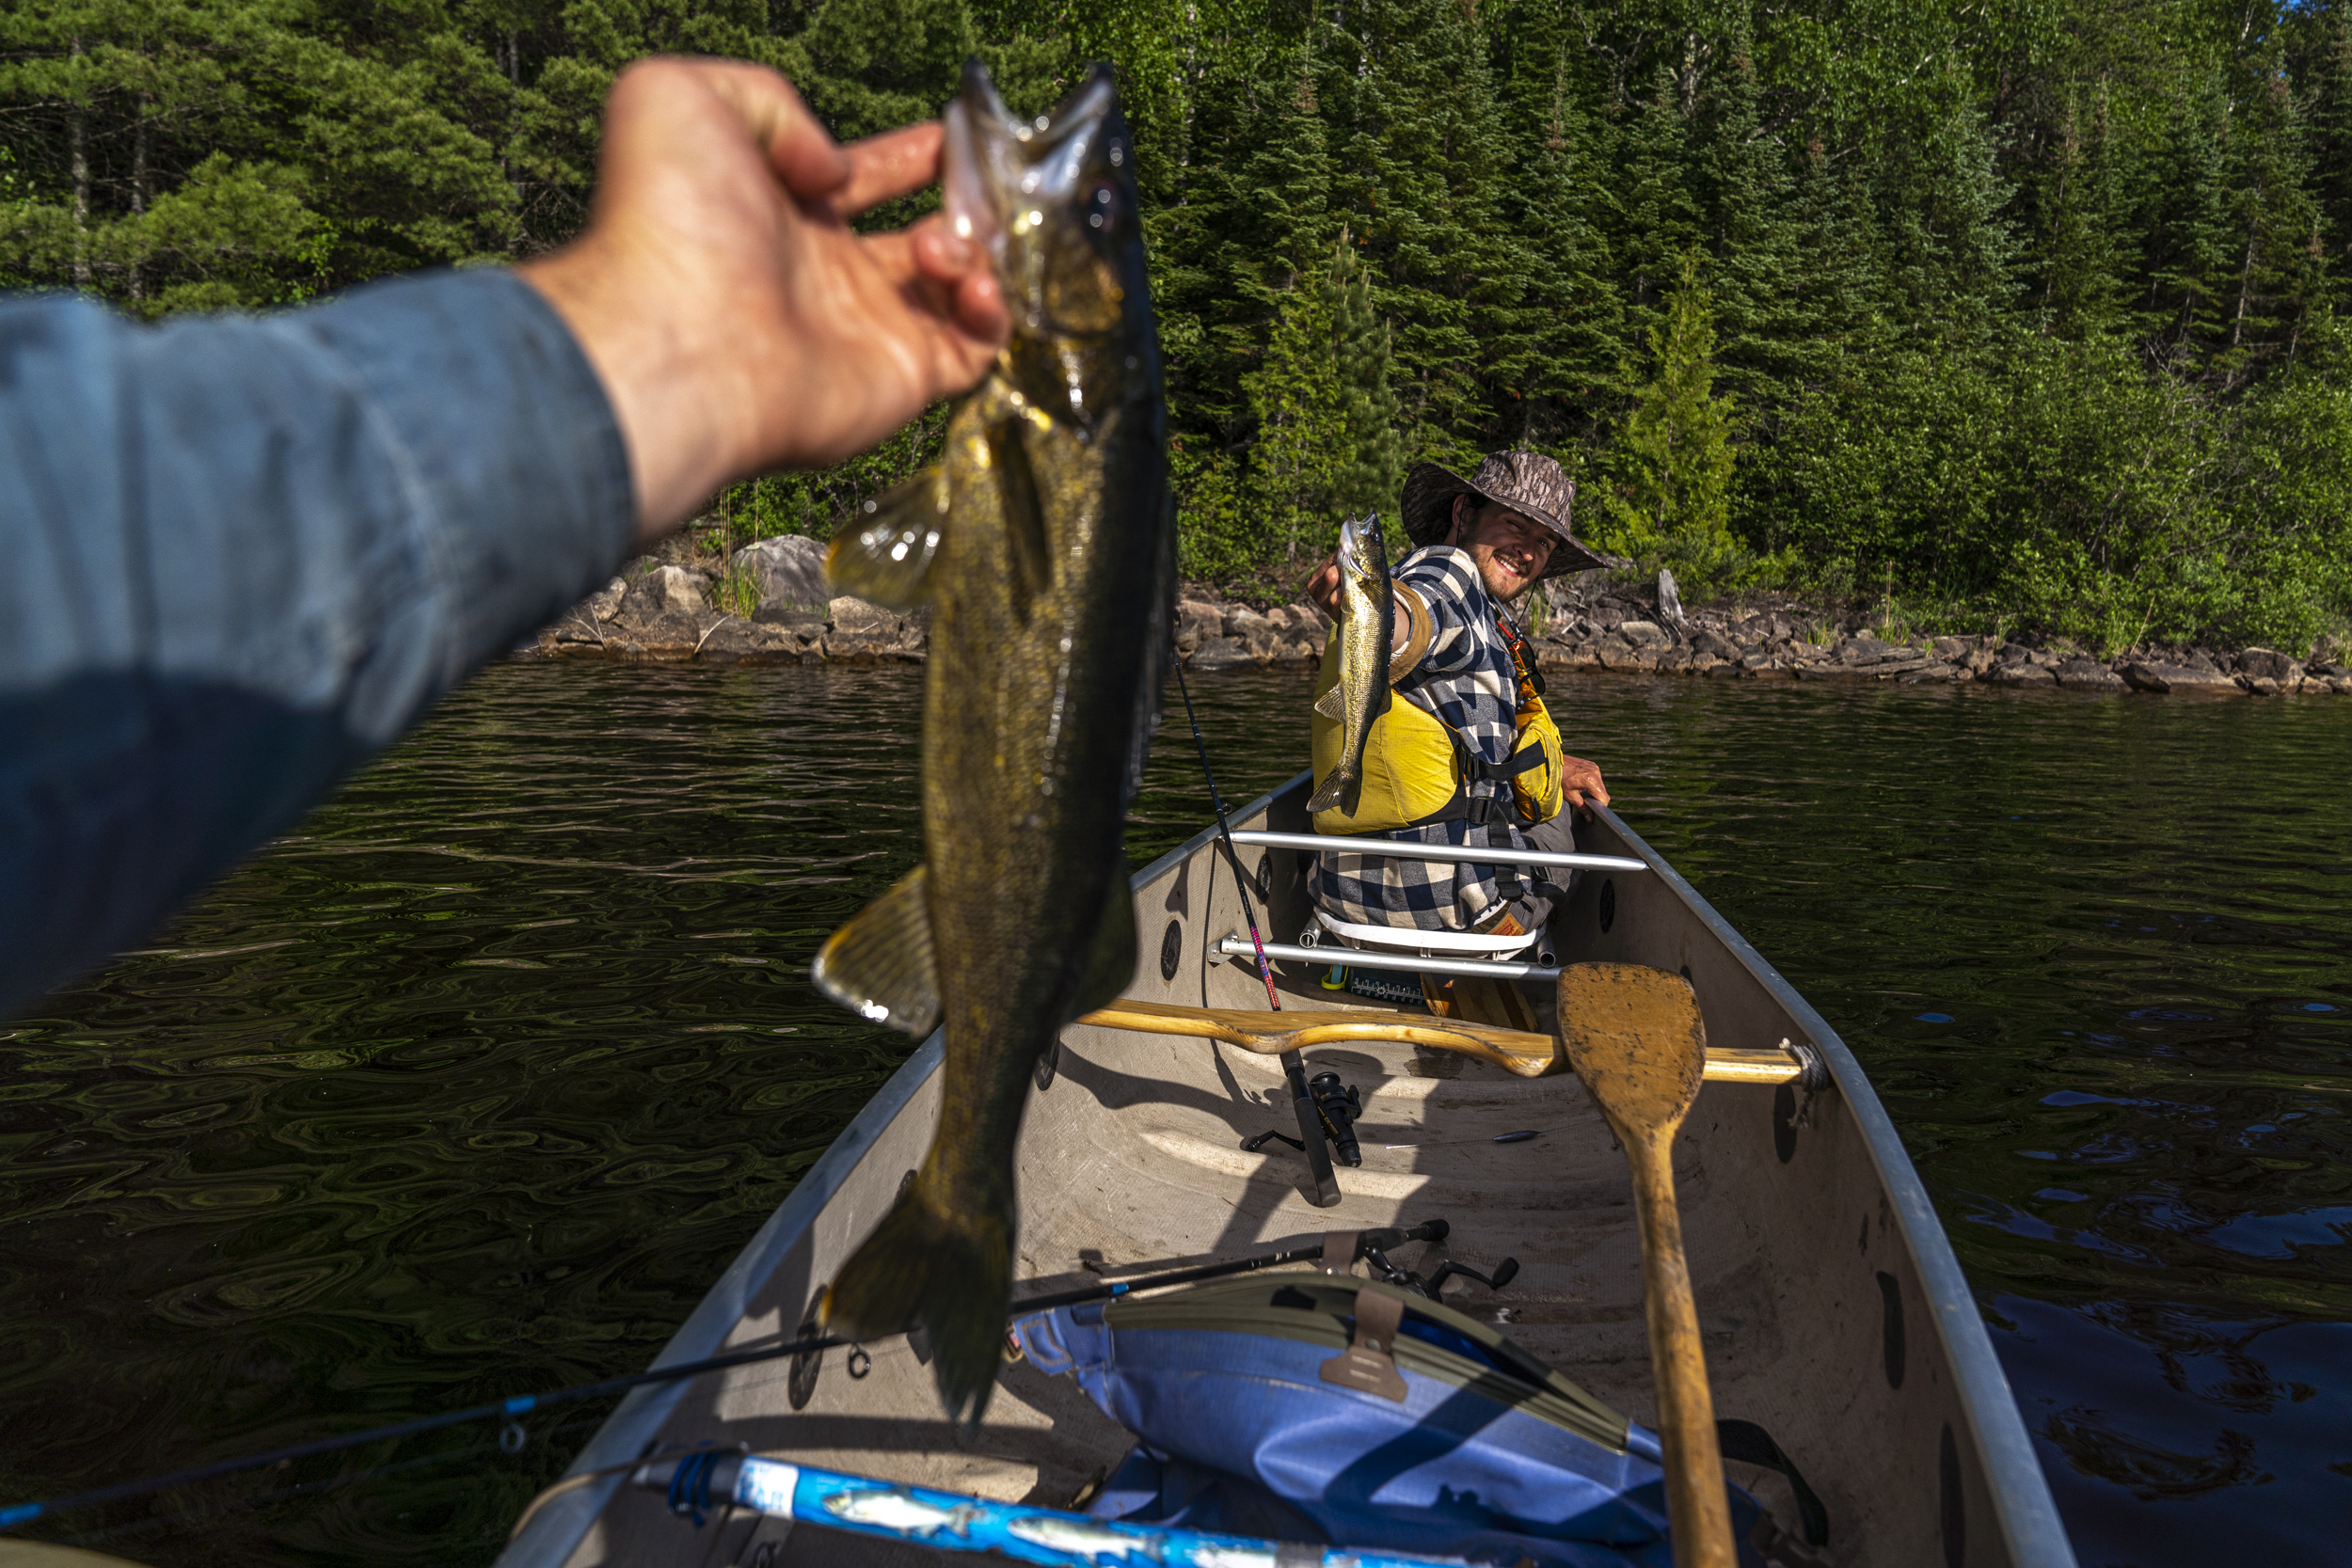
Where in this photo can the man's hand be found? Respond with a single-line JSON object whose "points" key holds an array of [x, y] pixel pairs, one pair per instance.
{"points": [[1323, 586], [1581, 785], [736, 320]]}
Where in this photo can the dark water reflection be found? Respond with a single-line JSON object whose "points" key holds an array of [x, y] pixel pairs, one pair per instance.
{"points": [[474, 1086]]}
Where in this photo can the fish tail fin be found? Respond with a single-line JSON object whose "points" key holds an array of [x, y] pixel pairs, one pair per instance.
{"points": [[1335, 789], [946, 1268]]}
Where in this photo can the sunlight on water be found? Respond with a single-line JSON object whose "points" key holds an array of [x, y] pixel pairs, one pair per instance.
{"points": [[473, 1086]]}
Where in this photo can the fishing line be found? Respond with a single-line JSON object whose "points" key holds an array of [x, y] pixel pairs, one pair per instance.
{"points": [[520, 1405], [510, 1408], [1241, 883]]}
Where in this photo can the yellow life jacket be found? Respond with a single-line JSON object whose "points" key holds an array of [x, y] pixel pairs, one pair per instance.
{"points": [[1417, 773]]}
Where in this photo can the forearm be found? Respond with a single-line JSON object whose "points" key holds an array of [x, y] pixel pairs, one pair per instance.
{"points": [[1410, 637], [245, 555]]}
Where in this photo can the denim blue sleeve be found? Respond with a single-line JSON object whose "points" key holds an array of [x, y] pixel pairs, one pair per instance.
{"points": [[241, 555]]}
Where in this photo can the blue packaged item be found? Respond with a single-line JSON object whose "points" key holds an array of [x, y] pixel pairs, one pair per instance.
{"points": [[1268, 1405]]}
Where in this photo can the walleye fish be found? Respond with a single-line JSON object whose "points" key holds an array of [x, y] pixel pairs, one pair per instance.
{"points": [[1367, 631], [1044, 543]]}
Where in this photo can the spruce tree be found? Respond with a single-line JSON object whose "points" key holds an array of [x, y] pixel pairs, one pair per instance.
{"points": [[1369, 456], [1327, 421], [1421, 162], [1563, 377], [1670, 504]]}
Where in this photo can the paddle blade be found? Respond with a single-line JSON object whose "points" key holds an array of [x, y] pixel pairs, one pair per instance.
{"points": [[1634, 1036]]}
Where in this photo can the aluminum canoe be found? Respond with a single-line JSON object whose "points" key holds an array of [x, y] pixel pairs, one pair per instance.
{"points": [[1834, 1312]]}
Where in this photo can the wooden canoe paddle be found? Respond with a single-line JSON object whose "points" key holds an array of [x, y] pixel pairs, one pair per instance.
{"points": [[1636, 1038], [1521, 1053]]}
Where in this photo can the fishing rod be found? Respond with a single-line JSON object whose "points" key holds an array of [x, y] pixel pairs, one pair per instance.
{"points": [[1311, 1129], [1225, 833], [16, 1515]]}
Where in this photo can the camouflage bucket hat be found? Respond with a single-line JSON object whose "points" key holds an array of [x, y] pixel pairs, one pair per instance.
{"points": [[1527, 482]]}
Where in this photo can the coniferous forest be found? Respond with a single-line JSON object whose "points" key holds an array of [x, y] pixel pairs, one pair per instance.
{"points": [[2020, 314]]}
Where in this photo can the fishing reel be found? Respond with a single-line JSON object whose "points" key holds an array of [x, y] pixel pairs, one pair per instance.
{"points": [[1337, 1106], [1372, 1246]]}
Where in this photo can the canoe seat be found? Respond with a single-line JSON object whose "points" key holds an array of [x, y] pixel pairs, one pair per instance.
{"points": [[1392, 939]]}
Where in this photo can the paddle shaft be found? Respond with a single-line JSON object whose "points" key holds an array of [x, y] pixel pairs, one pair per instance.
{"points": [[1638, 1044], [1696, 1501]]}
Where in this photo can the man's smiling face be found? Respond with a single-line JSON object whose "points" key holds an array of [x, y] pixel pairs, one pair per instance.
{"points": [[1511, 551]]}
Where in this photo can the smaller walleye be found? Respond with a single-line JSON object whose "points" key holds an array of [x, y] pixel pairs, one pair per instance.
{"points": [[1367, 635], [1081, 1539], [897, 1509]]}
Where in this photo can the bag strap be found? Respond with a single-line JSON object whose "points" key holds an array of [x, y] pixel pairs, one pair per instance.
{"points": [[1530, 677], [1368, 1364], [1745, 1443]]}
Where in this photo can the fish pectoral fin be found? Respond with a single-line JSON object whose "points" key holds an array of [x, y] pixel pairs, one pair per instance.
{"points": [[1332, 704], [880, 965], [1111, 967], [885, 555]]}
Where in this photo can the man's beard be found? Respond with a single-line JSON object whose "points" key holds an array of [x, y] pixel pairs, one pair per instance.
{"points": [[1515, 596]]}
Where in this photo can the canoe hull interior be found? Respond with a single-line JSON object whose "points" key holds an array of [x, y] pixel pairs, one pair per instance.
{"points": [[1833, 1311]]}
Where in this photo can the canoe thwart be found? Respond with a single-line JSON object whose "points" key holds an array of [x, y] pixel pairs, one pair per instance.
{"points": [[1397, 850], [1235, 945], [1514, 1051]]}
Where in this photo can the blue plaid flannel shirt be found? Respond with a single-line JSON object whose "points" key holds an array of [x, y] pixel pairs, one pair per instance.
{"points": [[1467, 682]]}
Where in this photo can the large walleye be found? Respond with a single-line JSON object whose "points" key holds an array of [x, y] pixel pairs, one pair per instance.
{"points": [[1044, 543], [1366, 632]]}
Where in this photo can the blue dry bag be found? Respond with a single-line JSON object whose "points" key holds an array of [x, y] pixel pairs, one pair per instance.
{"points": [[1264, 1406]]}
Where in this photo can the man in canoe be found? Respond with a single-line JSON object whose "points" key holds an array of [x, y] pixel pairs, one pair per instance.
{"points": [[1467, 754]]}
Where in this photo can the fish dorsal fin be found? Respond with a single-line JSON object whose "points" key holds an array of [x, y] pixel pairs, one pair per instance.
{"points": [[885, 555], [1111, 967], [1332, 704], [880, 965]]}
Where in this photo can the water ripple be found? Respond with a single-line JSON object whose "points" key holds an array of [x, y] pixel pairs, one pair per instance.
{"points": [[473, 1084]]}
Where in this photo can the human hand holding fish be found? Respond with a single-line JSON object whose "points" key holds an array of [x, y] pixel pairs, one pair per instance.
{"points": [[736, 320]]}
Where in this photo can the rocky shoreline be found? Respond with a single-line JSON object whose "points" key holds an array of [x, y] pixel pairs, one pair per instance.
{"points": [[660, 608]]}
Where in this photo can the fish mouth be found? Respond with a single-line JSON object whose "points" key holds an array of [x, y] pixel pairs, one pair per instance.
{"points": [[1006, 174], [1356, 545]]}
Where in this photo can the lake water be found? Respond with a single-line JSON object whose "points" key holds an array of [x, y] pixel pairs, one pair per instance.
{"points": [[471, 1086]]}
